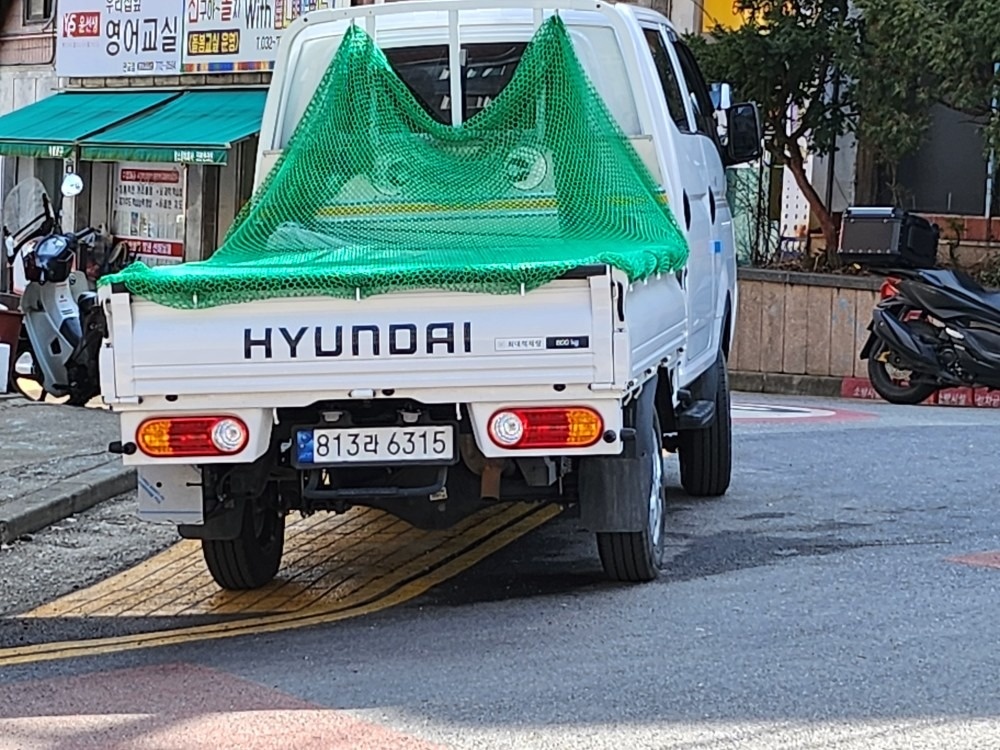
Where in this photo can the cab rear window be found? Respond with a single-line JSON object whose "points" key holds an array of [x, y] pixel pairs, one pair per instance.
{"points": [[486, 70]]}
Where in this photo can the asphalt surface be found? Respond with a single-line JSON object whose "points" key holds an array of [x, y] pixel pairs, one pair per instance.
{"points": [[816, 606]]}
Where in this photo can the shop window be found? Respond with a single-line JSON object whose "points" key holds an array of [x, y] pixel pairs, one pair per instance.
{"points": [[37, 11]]}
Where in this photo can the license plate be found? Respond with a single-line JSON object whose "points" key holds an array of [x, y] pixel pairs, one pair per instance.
{"points": [[376, 445]]}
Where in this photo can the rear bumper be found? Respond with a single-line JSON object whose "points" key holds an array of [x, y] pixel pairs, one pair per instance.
{"points": [[267, 426]]}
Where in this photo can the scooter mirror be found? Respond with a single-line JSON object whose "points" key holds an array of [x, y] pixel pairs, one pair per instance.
{"points": [[72, 185], [8, 243]]}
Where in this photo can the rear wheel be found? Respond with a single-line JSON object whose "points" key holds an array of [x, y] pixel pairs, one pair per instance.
{"points": [[637, 556], [895, 384], [26, 375], [706, 455], [252, 559]]}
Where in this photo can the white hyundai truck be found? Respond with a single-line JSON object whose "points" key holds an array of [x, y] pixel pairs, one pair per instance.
{"points": [[431, 404]]}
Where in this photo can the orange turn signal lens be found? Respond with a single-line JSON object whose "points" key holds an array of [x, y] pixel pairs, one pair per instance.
{"points": [[180, 437], [546, 427]]}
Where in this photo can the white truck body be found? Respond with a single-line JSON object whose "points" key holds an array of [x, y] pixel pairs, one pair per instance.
{"points": [[590, 339]]}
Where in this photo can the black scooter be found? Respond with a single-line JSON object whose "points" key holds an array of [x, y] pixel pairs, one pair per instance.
{"points": [[933, 328]]}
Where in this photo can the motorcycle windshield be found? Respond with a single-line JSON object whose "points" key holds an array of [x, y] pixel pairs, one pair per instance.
{"points": [[24, 206]]}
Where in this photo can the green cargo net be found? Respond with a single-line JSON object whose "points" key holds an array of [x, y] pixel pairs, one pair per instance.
{"points": [[373, 195]]}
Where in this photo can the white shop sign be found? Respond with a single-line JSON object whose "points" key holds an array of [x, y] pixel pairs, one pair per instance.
{"points": [[97, 38]]}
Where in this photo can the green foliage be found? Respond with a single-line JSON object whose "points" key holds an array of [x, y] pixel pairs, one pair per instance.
{"points": [[889, 81], [930, 51], [787, 56], [790, 57]]}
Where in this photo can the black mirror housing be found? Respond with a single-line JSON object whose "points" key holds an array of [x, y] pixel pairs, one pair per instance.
{"points": [[744, 134]]}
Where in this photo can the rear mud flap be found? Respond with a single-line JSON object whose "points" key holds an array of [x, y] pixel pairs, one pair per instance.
{"points": [[614, 489]]}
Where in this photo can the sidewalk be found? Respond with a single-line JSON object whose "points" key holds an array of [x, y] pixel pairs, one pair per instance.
{"points": [[53, 463]]}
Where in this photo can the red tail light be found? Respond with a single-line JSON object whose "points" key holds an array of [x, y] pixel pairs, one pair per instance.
{"points": [[179, 437], [889, 288], [548, 427]]}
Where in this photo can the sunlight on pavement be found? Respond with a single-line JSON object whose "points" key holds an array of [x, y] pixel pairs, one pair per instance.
{"points": [[178, 705]]}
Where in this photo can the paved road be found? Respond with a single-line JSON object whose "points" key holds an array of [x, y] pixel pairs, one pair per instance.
{"points": [[816, 606]]}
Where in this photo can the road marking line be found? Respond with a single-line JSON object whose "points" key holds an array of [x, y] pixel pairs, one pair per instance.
{"points": [[395, 588]]}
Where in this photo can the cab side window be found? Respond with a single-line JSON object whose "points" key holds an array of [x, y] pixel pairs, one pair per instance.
{"points": [[668, 79], [701, 100]]}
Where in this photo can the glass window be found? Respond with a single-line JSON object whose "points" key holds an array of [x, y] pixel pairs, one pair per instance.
{"points": [[37, 10], [668, 79], [486, 70], [425, 72], [701, 100]]}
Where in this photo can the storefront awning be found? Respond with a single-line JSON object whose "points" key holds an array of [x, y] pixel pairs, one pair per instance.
{"points": [[49, 129], [198, 127]]}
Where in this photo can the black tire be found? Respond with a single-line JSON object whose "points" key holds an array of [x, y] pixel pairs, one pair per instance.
{"points": [[82, 398], [637, 556], [706, 455], [886, 387], [253, 558]]}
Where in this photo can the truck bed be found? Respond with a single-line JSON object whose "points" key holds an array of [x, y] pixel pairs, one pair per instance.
{"points": [[589, 331]]}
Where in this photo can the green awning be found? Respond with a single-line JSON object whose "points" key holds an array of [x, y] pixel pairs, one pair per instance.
{"points": [[198, 127], [48, 129]]}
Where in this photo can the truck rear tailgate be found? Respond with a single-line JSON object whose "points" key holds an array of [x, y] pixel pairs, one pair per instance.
{"points": [[321, 347]]}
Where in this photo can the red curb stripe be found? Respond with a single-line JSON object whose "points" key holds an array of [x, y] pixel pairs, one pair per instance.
{"points": [[861, 388], [978, 559]]}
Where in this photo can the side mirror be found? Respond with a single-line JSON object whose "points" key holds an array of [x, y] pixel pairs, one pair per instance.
{"points": [[745, 134], [72, 185]]}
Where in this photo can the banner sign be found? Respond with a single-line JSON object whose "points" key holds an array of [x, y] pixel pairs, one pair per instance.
{"points": [[222, 36], [149, 211], [118, 38], [111, 38]]}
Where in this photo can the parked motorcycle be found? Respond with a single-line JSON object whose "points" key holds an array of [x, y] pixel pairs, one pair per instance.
{"points": [[933, 328], [63, 325]]}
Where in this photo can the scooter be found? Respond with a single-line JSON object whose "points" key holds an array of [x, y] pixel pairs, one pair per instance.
{"points": [[63, 324], [932, 329]]}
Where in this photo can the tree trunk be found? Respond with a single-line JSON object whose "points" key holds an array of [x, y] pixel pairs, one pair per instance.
{"points": [[796, 163]]}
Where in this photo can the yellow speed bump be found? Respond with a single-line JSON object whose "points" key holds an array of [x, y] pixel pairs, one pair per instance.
{"points": [[328, 576]]}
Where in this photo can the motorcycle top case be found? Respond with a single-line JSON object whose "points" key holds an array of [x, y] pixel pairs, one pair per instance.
{"points": [[887, 237]]}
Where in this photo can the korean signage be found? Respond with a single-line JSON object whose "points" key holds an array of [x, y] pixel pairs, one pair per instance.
{"points": [[109, 38], [232, 35], [148, 211], [118, 38]]}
